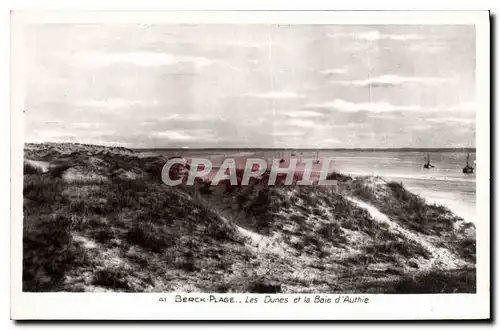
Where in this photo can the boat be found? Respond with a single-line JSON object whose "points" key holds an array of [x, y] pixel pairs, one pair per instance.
{"points": [[316, 160], [468, 169], [281, 155], [428, 164]]}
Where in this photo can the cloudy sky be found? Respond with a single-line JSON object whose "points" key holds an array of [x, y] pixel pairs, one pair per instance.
{"points": [[327, 86]]}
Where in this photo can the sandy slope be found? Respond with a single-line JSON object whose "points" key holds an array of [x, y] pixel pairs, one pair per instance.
{"points": [[99, 219], [441, 257], [42, 166]]}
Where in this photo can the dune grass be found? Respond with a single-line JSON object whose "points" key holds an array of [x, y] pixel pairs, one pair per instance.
{"points": [[414, 213], [408, 209], [137, 234], [122, 213], [435, 281]]}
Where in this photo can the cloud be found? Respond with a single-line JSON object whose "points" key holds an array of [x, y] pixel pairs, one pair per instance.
{"points": [[384, 107], [329, 141], [452, 120], [345, 106], [288, 133], [375, 35], [390, 81], [464, 107], [335, 71], [198, 116], [187, 122], [87, 125], [301, 123], [432, 48], [215, 43], [160, 119], [242, 44], [143, 58], [280, 95], [114, 103], [182, 135], [304, 114], [175, 135]]}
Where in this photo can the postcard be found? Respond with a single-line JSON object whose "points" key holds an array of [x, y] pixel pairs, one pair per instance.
{"points": [[250, 165]]}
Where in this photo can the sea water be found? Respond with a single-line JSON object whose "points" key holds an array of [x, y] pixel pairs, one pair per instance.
{"points": [[445, 184]]}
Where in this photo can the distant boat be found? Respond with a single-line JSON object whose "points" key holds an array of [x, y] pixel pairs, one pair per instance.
{"points": [[316, 160], [281, 155], [468, 169], [428, 164]]}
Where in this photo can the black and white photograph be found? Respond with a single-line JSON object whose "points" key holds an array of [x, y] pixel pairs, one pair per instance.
{"points": [[267, 158]]}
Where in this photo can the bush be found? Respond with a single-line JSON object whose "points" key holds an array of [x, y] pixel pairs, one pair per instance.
{"points": [[333, 233], [466, 248], [407, 249], [150, 237], [338, 176], [262, 209], [111, 278], [220, 232], [364, 192], [44, 190], [58, 171], [455, 281], [48, 252], [261, 285]]}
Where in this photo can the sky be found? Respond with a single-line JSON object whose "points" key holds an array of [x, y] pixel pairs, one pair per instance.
{"points": [[265, 86]]}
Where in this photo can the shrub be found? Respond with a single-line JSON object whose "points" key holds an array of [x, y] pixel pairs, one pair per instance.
{"points": [[220, 232], [44, 190], [455, 281], [150, 237], [338, 176], [466, 248], [186, 262], [111, 278], [58, 171], [333, 233], [406, 249], [364, 192], [261, 285], [48, 252]]}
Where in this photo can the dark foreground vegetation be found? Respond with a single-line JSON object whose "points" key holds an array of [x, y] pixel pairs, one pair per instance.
{"points": [[100, 219]]}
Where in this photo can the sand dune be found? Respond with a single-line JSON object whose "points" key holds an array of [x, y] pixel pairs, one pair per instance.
{"points": [[100, 219]]}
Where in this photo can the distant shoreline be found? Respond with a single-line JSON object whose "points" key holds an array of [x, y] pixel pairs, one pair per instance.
{"points": [[468, 149], [314, 150]]}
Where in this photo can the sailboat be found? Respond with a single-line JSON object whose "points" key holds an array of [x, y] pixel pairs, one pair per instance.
{"points": [[468, 169], [428, 164], [316, 160], [282, 160]]}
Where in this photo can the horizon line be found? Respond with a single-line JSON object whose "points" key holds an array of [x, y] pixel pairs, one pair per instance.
{"points": [[271, 148], [314, 149]]}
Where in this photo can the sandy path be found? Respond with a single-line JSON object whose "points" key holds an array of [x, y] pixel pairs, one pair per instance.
{"points": [[441, 257], [260, 242], [39, 164]]}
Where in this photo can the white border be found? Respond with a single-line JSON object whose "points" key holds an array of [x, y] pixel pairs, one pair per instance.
{"points": [[146, 306]]}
